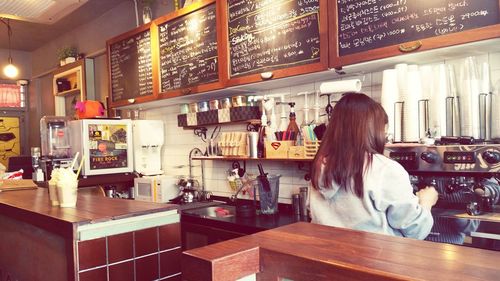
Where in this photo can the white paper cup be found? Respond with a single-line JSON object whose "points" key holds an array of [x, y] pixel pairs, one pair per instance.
{"points": [[67, 192], [54, 198]]}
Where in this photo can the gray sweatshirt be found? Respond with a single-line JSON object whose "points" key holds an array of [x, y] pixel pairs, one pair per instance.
{"points": [[388, 206]]}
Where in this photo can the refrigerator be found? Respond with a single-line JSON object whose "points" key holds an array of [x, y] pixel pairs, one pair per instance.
{"points": [[104, 144]]}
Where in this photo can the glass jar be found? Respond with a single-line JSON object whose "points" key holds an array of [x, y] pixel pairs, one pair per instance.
{"points": [[146, 14]]}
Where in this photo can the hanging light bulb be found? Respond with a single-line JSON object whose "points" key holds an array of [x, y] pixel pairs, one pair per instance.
{"points": [[10, 70]]}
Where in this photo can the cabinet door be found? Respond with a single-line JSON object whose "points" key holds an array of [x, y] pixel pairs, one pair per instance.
{"points": [[367, 30], [194, 236], [218, 235], [274, 39]]}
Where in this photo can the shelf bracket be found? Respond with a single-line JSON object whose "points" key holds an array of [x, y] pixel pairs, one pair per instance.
{"points": [[201, 132], [301, 167]]}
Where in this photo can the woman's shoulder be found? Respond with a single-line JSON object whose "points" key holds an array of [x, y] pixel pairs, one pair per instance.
{"points": [[382, 162]]}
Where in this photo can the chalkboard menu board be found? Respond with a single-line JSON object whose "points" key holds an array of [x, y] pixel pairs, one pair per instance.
{"points": [[188, 50], [266, 35], [370, 24], [130, 66]]}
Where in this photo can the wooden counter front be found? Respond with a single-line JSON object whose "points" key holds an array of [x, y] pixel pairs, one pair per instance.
{"points": [[44, 242], [304, 251]]}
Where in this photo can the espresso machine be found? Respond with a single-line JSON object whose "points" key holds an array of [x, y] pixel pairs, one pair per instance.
{"points": [[465, 172]]}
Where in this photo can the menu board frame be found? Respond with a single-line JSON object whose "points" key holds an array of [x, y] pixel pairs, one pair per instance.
{"points": [[221, 52], [462, 37], [154, 62], [286, 71]]}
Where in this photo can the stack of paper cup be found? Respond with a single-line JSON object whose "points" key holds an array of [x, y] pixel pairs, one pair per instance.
{"points": [[440, 92], [425, 112], [67, 186], [401, 112], [469, 98], [390, 93], [486, 116], [413, 94], [54, 178]]}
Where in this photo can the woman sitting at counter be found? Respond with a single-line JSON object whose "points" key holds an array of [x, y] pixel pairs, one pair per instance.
{"points": [[356, 186]]}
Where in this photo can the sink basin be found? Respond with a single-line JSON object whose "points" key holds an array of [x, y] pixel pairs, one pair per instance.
{"points": [[222, 211]]}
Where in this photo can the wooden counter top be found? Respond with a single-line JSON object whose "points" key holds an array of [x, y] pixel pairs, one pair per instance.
{"points": [[33, 206], [304, 251]]}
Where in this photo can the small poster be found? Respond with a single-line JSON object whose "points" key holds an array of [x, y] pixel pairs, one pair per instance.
{"points": [[107, 146]]}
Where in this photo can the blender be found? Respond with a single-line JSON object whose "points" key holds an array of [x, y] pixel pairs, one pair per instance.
{"points": [[55, 139]]}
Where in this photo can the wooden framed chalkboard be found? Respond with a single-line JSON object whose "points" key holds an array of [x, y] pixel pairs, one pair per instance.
{"points": [[285, 37], [373, 29], [130, 66], [189, 57]]}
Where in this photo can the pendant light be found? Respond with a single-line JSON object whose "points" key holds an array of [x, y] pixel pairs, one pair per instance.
{"points": [[10, 70]]}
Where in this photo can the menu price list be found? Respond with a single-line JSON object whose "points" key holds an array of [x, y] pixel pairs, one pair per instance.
{"points": [[369, 24], [131, 70], [265, 35], [188, 50]]}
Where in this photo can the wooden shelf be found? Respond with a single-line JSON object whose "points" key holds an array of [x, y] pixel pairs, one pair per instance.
{"points": [[222, 158], [68, 92], [249, 121]]}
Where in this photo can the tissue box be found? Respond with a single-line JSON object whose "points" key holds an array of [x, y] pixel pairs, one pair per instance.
{"points": [[277, 149], [296, 152]]}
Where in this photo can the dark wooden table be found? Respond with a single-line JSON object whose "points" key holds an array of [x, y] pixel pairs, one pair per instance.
{"points": [[304, 251]]}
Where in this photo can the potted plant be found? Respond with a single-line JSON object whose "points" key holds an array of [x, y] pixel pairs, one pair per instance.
{"points": [[67, 55]]}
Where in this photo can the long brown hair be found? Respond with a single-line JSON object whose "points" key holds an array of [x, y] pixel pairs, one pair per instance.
{"points": [[355, 132]]}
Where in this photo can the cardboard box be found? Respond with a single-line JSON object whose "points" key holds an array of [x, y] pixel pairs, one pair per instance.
{"points": [[277, 149], [296, 152], [8, 185]]}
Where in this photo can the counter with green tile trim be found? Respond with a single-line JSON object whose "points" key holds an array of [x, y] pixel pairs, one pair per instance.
{"points": [[41, 240]]}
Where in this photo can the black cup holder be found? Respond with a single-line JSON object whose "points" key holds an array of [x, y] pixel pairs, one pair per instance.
{"points": [[245, 211]]}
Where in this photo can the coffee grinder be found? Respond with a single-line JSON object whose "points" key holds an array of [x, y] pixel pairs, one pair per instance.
{"points": [[55, 139], [35, 163]]}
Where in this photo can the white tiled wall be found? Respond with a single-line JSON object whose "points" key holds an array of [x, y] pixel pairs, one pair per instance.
{"points": [[179, 142]]}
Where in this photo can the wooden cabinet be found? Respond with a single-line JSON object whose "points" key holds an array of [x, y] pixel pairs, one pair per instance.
{"points": [[197, 235], [71, 83], [371, 30], [274, 39]]}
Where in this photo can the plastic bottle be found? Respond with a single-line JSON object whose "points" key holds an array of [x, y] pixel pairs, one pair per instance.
{"points": [[293, 128]]}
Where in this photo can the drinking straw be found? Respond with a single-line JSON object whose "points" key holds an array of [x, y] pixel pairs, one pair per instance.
{"points": [[80, 166], [74, 159]]}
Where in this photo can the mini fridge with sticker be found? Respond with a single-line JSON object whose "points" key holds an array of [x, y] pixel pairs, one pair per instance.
{"points": [[105, 145]]}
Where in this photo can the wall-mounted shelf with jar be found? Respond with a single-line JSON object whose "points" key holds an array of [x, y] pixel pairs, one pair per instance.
{"points": [[71, 83]]}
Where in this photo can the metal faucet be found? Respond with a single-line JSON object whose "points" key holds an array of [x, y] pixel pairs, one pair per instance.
{"points": [[234, 197], [197, 152]]}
